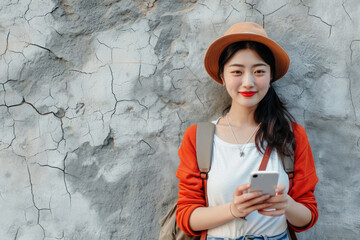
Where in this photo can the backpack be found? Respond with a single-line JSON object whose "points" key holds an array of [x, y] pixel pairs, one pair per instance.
{"points": [[204, 142]]}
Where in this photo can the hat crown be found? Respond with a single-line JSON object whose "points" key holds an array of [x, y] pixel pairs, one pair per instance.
{"points": [[247, 28]]}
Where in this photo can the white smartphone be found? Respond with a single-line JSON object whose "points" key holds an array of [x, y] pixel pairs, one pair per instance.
{"points": [[264, 181]]}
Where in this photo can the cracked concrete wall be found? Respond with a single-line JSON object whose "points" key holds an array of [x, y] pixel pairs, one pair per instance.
{"points": [[95, 97]]}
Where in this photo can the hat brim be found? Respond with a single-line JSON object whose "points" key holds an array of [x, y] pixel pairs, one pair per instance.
{"points": [[211, 60]]}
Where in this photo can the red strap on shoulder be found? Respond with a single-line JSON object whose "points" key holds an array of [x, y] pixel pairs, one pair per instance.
{"points": [[265, 159], [204, 233]]}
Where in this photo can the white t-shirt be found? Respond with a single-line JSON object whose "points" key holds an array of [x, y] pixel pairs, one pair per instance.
{"points": [[227, 172]]}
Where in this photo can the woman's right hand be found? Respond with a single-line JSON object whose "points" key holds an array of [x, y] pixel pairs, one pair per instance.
{"points": [[245, 203]]}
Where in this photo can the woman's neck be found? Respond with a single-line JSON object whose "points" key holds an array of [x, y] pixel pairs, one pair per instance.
{"points": [[241, 116]]}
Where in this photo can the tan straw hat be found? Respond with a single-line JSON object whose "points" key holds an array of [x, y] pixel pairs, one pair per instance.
{"points": [[245, 31]]}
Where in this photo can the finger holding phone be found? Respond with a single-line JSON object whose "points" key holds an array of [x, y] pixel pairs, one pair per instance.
{"points": [[279, 202], [245, 202], [267, 183]]}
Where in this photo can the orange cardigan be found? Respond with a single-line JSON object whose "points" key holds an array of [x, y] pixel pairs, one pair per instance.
{"points": [[191, 195]]}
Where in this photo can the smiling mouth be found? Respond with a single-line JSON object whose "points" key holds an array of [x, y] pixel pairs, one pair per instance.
{"points": [[247, 93]]}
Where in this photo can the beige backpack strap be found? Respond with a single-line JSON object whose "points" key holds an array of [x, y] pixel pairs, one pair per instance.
{"points": [[289, 161], [288, 164], [204, 145]]}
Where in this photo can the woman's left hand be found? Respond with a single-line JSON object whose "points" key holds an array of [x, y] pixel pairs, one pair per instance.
{"points": [[279, 202]]}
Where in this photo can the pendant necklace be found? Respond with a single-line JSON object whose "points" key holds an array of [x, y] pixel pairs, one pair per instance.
{"points": [[242, 154]]}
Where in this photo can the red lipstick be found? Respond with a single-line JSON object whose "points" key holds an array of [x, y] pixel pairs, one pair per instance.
{"points": [[247, 93]]}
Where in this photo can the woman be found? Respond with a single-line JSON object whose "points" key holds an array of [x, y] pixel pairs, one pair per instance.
{"points": [[245, 61]]}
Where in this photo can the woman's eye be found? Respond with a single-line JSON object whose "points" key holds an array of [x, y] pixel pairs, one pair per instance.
{"points": [[259, 72], [236, 72]]}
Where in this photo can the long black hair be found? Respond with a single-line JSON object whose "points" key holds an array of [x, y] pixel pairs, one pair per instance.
{"points": [[275, 119]]}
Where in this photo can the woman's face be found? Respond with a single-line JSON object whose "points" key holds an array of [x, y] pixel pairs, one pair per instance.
{"points": [[247, 78]]}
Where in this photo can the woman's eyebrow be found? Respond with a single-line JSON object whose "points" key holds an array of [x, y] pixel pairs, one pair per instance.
{"points": [[241, 65]]}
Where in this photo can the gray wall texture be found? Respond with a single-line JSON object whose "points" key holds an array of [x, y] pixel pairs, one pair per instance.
{"points": [[96, 94]]}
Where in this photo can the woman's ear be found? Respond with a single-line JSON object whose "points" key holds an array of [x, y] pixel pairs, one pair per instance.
{"points": [[222, 79]]}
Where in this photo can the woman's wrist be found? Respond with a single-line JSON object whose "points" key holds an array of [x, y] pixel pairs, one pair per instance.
{"points": [[231, 212], [290, 204], [297, 214]]}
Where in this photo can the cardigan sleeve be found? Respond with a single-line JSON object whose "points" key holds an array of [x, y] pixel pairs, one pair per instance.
{"points": [[191, 194], [305, 177]]}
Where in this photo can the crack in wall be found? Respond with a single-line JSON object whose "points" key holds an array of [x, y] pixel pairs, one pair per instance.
{"points": [[89, 133], [199, 97], [2, 84], [66, 186], [139, 73], [351, 98], [312, 15], [179, 135], [112, 91], [229, 15], [250, 4], [64, 174], [16, 234], [173, 85], [181, 121], [82, 72], [40, 16], [351, 51], [252, 7], [343, 5], [102, 116], [33, 199], [234, 8], [349, 89], [12, 4], [196, 77], [203, 4], [136, 101], [28, 8], [303, 90], [268, 14], [142, 140], [51, 53], [7, 44], [13, 128], [176, 69], [111, 50], [30, 104]]}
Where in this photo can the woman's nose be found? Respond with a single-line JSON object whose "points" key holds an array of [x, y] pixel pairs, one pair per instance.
{"points": [[248, 80]]}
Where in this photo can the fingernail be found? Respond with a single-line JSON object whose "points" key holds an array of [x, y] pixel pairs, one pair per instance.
{"points": [[267, 195]]}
